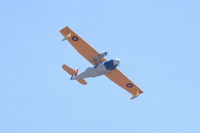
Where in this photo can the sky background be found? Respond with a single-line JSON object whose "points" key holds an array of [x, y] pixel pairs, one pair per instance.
{"points": [[158, 42]]}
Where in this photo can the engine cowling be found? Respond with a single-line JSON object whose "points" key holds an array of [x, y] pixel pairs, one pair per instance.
{"points": [[101, 55]]}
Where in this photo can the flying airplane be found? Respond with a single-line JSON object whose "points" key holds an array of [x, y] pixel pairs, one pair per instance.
{"points": [[101, 66]]}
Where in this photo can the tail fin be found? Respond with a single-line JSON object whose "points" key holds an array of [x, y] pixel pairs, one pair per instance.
{"points": [[74, 75], [73, 72]]}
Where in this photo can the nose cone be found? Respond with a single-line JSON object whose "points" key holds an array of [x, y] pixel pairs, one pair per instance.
{"points": [[116, 62]]}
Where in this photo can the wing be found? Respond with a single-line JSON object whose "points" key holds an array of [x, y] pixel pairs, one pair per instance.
{"points": [[81, 46], [120, 79]]}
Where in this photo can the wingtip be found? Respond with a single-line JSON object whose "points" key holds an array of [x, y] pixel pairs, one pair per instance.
{"points": [[133, 97], [136, 95]]}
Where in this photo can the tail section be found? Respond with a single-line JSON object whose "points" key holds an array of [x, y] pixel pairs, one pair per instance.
{"points": [[73, 73]]}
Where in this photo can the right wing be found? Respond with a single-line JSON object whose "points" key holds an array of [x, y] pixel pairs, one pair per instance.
{"points": [[81, 46], [120, 79]]}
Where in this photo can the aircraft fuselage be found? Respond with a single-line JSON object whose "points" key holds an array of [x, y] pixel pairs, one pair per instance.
{"points": [[100, 69]]}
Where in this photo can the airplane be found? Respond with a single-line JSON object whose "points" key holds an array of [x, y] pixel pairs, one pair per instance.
{"points": [[101, 66]]}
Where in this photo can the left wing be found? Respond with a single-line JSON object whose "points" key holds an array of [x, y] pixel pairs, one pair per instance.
{"points": [[120, 79], [81, 46]]}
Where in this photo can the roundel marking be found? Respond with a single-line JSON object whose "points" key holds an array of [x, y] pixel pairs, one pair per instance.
{"points": [[129, 85], [75, 38]]}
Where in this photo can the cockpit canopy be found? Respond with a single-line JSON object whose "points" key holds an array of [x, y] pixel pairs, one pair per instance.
{"points": [[111, 64]]}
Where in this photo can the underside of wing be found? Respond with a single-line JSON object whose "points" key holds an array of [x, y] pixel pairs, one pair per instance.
{"points": [[120, 79], [81, 46]]}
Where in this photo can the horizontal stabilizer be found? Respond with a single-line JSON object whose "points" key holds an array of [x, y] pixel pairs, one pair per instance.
{"points": [[73, 72], [82, 81]]}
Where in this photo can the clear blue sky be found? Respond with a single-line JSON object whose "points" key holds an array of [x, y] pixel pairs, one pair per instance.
{"points": [[158, 42]]}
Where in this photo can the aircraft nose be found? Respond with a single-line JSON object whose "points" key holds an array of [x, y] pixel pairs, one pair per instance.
{"points": [[116, 62]]}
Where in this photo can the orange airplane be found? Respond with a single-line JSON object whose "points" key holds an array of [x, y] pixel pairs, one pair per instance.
{"points": [[102, 66]]}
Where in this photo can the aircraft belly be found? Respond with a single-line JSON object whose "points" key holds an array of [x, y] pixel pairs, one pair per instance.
{"points": [[92, 72]]}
